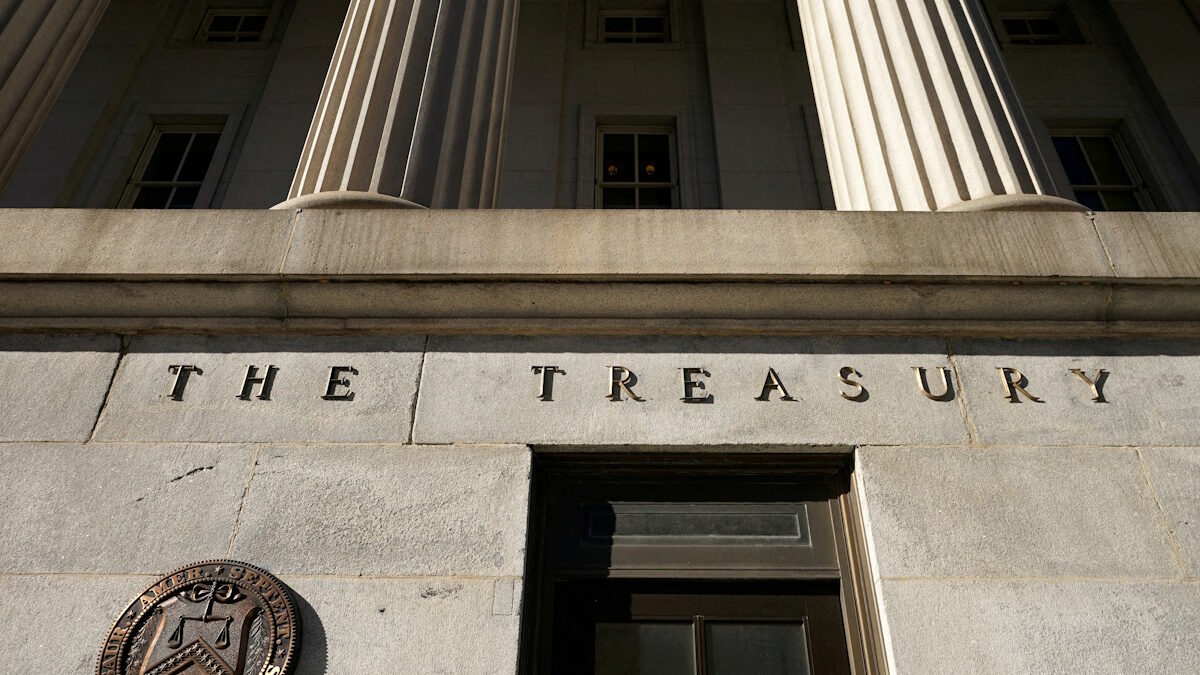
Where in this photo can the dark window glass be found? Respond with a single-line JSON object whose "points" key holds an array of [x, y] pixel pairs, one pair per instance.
{"points": [[1090, 199], [152, 198], [1120, 200], [167, 156], [654, 158], [618, 24], [618, 158], [645, 649], [254, 24], [1099, 173], [651, 24], [1106, 160], [619, 198], [1046, 27], [656, 198], [224, 23], [636, 159], [734, 648], [1074, 160], [185, 197], [199, 157], [1015, 26]]}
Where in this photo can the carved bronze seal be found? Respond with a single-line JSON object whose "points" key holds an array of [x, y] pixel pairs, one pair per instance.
{"points": [[218, 617]]}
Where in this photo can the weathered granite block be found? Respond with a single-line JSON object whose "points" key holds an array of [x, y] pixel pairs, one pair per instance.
{"points": [[54, 385], [484, 389], [383, 384], [387, 510], [57, 624], [1013, 512], [1175, 473], [118, 508], [1150, 391], [1048, 627], [431, 625]]}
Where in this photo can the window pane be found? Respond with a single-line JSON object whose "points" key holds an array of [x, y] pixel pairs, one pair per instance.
{"points": [[618, 24], [1015, 26], [185, 197], [618, 158], [1120, 200], [167, 156], [224, 23], [645, 649], [1044, 27], [654, 158], [618, 198], [1090, 199], [1073, 160], [651, 24], [254, 24], [152, 198], [199, 157], [1110, 170], [654, 198], [760, 648]]}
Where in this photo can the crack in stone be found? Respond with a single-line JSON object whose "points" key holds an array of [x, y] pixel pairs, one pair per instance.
{"points": [[193, 472]]}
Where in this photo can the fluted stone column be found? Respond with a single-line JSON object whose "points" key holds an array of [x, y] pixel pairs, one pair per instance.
{"points": [[40, 43], [917, 109], [412, 113]]}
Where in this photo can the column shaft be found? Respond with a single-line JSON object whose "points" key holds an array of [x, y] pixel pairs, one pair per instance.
{"points": [[412, 112], [40, 43], [917, 109]]}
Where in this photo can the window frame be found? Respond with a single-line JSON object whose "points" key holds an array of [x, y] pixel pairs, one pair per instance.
{"points": [[827, 478], [634, 15], [189, 28], [206, 187], [1138, 187], [204, 31], [1074, 36], [595, 10], [636, 185]]}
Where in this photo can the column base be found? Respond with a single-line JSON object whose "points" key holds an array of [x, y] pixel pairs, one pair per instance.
{"points": [[345, 200], [1017, 203]]}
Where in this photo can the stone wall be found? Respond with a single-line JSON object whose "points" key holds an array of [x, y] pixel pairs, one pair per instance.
{"points": [[1058, 536]]}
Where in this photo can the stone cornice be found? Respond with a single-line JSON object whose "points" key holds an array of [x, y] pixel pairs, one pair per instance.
{"points": [[1011, 273]]}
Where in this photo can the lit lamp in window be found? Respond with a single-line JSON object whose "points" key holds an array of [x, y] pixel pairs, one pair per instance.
{"points": [[613, 169], [650, 169]]}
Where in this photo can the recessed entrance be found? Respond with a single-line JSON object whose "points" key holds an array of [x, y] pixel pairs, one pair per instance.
{"points": [[694, 564]]}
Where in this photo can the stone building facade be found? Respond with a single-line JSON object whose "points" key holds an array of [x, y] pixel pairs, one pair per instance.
{"points": [[613, 336]]}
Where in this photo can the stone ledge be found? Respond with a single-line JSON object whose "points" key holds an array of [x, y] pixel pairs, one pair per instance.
{"points": [[511, 267]]}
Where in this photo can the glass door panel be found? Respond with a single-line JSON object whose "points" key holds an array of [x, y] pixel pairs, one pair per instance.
{"points": [[736, 648], [645, 648]]}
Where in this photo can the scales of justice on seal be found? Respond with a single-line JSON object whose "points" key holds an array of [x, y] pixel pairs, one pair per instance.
{"points": [[218, 617]]}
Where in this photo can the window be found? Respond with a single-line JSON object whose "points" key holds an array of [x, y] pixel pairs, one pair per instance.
{"points": [[1100, 171], [233, 25], [636, 168], [1039, 28], [172, 167], [633, 27], [686, 565]]}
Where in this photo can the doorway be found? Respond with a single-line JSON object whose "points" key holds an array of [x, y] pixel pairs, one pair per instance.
{"points": [[700, 564]]}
